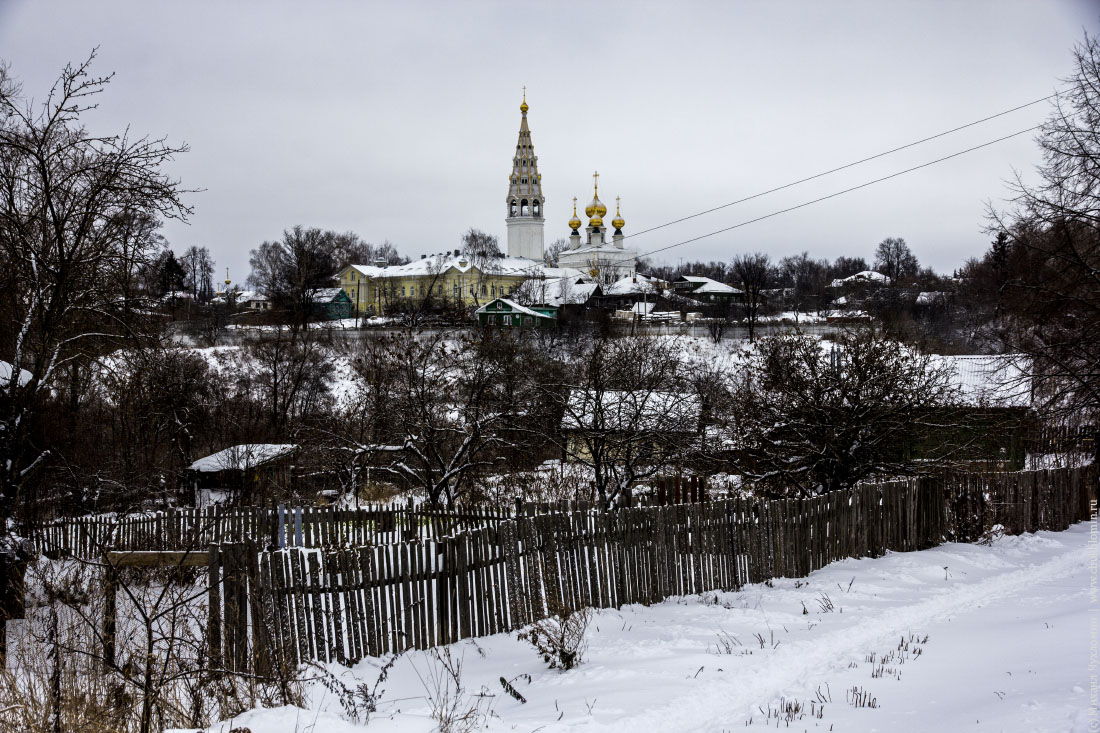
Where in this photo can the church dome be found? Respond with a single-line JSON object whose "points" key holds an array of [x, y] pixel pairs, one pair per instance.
{"points": [[523, 105], [617, 222], [595, 209], [575, 223]]}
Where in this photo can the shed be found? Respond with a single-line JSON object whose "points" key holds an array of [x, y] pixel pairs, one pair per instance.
{"points": [[240, 473], [330, 304]]}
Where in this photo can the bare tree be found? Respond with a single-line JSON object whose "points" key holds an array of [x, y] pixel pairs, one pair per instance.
{"points": [[1051, 274], [894, 259], [289, 270], [752, 272], [627, 411], [484, 253], [198, 272], [809, 420], [67, 200], [447, 408]]}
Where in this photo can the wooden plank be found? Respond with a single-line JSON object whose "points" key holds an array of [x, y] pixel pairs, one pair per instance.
{"points": [[158, 558]]}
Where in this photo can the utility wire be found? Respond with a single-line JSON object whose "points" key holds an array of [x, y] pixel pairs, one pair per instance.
{"points": [[835, 194], [846, 166]]}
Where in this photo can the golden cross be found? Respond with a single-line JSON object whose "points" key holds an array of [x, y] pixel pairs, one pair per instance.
{"points": [[574, 204], [596, 180], [524, 92]]}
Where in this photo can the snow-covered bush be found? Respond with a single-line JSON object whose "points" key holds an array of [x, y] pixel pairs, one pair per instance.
{"points": [[560, 639]]}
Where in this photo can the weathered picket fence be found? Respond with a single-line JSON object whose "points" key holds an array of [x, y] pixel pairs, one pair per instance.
{"points": [[299, 604], [188, 528]]}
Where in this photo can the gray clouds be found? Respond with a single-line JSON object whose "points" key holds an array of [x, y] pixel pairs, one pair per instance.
{"points": [[398, 120]]}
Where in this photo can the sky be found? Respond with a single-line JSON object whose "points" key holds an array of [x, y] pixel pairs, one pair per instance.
{"points": [[398, 120]]}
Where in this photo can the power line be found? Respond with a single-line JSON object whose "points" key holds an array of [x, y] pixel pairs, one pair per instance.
{"points": [[846, 166], [840, 193]]}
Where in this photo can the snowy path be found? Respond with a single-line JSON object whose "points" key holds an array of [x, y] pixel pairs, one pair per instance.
{"points": [[1007, 649]]}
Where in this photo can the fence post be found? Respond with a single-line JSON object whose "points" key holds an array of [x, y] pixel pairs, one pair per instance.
{"points": [[214, 615]]}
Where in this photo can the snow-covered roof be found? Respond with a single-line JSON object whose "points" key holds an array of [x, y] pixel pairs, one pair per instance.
{"points": [[636, 411], [250, 296], [867, 276], [463, 263], [516, 307], [636, 284], [5, 375], [561, 291], [562, 272], [365, 270], [643, 307], [242, 457], [930, 297], [324, 295], [713, 287], [994, 381]]}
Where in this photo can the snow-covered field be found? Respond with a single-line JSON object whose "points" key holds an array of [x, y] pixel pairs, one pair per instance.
{"points": [[963, 637]]}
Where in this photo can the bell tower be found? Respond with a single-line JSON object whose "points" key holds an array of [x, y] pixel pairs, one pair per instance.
{"points": [[524, 205]]}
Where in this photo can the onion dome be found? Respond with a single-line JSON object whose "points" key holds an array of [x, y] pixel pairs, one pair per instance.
{"points": [[617, 222], [575, 223], [523, 106], [595, 209]]}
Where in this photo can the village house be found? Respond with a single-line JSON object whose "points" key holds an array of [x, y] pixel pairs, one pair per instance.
{"points": [[240, 474], [507, 314]]}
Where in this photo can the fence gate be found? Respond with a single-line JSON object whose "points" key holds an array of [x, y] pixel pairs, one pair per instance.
{"points": [[237, 633]]}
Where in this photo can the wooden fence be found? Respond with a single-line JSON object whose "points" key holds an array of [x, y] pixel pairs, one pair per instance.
{"points": [[186, 528], [299, 604]]}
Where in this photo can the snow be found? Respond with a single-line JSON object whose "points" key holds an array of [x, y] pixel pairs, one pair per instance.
{"points": [[5, 375], [633, 285], [463, 263], [240, 457], [931, 297], [324, 295], [867, 276], [515, 307], [1003, 636], [997, 381]]}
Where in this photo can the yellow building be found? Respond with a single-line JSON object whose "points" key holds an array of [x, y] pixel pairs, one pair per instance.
{"points": [[441, 279]]}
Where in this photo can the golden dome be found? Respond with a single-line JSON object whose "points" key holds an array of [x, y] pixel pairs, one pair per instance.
{"points": [[575, 223], [617, 222], [595, 209], [523, 106]]}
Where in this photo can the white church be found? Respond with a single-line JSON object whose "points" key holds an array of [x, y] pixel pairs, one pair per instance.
{"points": [[601, 260]]}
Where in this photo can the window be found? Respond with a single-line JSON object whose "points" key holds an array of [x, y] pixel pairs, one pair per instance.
{"points": [[456, 291], [524, 208], [536, 207], [507, 320], [422, 290], [483, 289], [439, 290], [523, 181], [491, 319], [512, 208], [493, 290], [528, 320], [402, 291]]}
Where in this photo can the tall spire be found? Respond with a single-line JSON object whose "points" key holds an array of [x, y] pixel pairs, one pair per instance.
{"points": [[524, 205]]}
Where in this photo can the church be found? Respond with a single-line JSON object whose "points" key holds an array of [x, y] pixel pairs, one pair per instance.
{"points": [[465, 279], [592, 254]]}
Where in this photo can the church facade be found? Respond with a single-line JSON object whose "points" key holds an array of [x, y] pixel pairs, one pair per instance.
{"points": [[603, 261]]}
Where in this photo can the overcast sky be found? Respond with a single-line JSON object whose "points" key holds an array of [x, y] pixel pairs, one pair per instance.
{"points": [[398, 120]]}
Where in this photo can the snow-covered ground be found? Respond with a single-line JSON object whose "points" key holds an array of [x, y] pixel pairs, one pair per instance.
{"points": [[963, 637]]}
